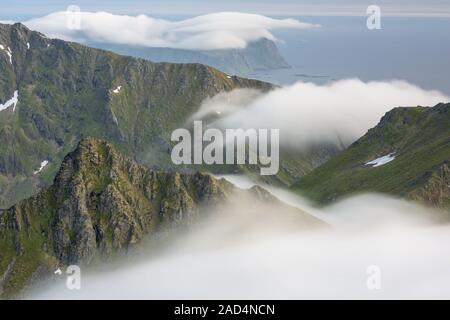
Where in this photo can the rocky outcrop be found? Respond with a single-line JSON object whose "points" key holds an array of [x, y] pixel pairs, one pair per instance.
{"points": [[101, 205], [109, 202]]}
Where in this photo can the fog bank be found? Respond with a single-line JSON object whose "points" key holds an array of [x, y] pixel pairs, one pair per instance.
{"points": [[339, 112], [254, 251], [221, 30]]}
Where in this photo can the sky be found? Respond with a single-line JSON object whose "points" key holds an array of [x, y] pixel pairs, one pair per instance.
{"points": [[24, 8], [225, 30], [341, 47]]}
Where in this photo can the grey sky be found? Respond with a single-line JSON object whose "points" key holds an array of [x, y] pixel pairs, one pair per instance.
{"points": [[14, 9]]}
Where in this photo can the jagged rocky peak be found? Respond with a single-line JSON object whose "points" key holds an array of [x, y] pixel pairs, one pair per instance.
{"points": [[103, 204], [17, 39], [110, 202]]}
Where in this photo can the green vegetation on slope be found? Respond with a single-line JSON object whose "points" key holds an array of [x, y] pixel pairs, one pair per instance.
{"points": [[420, 139], [68, 91], [102, 205]]}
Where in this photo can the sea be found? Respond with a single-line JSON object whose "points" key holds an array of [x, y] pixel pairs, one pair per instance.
{"points": [[414, 49]]}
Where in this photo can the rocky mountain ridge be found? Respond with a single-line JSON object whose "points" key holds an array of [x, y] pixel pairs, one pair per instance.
{"points": [[102, 205]]}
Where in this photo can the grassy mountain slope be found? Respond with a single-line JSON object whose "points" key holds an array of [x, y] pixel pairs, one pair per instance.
{"points": [[102, 204], [419, 137], [68, 91]]}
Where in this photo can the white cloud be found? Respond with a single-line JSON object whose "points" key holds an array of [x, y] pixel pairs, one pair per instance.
{"points": [[223, 30], [307, 113], [251, 250]]}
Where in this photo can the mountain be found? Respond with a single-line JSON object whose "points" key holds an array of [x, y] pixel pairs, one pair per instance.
{"points": [[261, 54], [100, 205], [65, 91], [58, 92], [407, 154]]}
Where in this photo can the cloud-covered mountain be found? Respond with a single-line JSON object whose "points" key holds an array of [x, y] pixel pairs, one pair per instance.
{"points": [[235, 43], [262, 54]]}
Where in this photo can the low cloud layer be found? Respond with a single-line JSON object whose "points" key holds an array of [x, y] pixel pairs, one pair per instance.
{"points": [[253, 251], [307, 113], [224, 30]]}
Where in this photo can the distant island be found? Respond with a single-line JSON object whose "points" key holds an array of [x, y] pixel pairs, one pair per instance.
{"points": [[262, 54]]}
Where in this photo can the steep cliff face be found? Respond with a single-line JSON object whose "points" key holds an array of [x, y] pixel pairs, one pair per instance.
{"points": [[66, 91], [407, 154], [110, 202], [436, 189], [102, 204]]}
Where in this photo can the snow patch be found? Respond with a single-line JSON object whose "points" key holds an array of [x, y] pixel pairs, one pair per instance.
{"points": [[10, 102], [28, 45], [117, 90], [381, 160], [8, 52], [43, 165]]}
